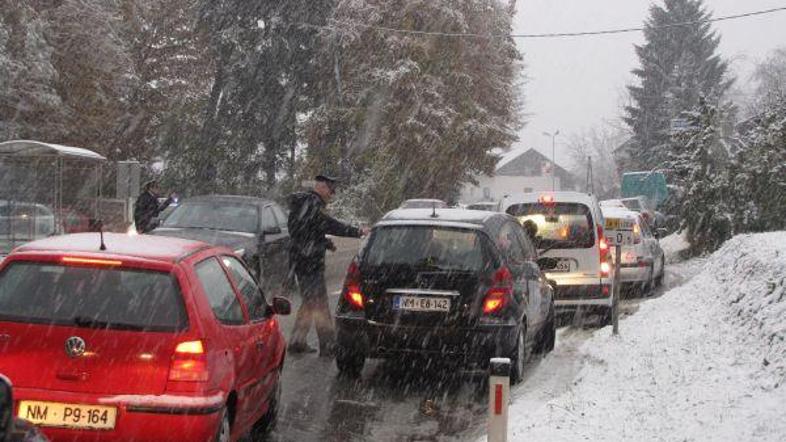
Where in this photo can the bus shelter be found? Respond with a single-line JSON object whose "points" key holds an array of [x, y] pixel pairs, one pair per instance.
{"points": [[46, 189]]}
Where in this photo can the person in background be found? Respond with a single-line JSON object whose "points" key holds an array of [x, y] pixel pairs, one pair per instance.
{"points": [[308, 224], [147, 207]]}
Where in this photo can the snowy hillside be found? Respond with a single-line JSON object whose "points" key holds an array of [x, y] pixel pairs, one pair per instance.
{"points": [[706, 361]]}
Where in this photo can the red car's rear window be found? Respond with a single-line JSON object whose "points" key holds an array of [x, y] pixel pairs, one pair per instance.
{"points": [[94, 297]]}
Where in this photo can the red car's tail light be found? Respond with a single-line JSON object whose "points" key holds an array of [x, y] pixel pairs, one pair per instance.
{"points": [[189, 363], [352, 292], [500, 292]]}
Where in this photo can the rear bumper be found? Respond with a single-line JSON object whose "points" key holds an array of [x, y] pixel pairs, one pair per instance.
{"points": [[634, 274], [473, 344], [570, 297], [150, 418]]}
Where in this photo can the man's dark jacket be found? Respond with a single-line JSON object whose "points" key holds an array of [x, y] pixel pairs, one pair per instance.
{"points": [[145, 209], [308, 224]]}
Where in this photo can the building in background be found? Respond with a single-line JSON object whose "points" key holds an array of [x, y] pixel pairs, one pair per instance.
{"points": [[528, 171]]}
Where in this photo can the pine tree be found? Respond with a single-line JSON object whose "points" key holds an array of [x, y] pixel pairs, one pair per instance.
{"points": [[679, 64], [698, 163], [762, 161]]}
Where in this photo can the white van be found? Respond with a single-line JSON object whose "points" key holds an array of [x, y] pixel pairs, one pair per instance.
{"points": [[573, 250]]}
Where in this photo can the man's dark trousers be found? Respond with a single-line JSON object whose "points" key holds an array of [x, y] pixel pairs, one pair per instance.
{"points": [[315, 308]]}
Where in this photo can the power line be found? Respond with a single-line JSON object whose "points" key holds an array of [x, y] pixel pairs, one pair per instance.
{"points": [[340, 25]]}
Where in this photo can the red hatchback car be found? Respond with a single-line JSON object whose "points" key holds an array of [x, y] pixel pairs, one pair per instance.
{"points": [[152, 339]]}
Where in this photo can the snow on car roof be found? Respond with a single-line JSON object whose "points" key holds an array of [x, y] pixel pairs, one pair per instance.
{"points": [[118, 245], [29, 148], [228, 199], [618, 212]]}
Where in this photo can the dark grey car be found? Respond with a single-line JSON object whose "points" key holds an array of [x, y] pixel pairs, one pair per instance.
{"points": [[244, 224], [447, 283]]}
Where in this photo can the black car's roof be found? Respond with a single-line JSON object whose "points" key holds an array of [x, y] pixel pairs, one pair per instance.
{"points": [[229, 199]]}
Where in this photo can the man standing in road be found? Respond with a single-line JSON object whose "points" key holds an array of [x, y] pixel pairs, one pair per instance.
{"points": [[308, 224], [147, 207]]}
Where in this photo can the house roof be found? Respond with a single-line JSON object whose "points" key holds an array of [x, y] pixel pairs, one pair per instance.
{"points": [[514, 163]]}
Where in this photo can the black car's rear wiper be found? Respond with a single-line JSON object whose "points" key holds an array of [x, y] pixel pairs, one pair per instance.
{"points": [[428, 262]]}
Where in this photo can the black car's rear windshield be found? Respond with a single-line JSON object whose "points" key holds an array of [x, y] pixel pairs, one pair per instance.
{"points": [[215, 216], [94, 297], [560, 225], [425, 247]]}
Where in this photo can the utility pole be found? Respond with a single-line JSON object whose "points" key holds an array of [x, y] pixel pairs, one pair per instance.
{"points": [[553, 158]]}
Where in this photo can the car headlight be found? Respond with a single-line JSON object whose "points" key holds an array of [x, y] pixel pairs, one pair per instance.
{"points": [[240, 252]]}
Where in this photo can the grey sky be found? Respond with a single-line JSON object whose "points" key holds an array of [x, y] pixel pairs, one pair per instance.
{"points": [[577, 83]]}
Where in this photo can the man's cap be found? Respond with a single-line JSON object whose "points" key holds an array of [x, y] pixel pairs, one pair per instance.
{"points": [[327, 179]]}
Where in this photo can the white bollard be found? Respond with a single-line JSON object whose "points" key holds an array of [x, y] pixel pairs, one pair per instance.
{"points": [[499, 396]]}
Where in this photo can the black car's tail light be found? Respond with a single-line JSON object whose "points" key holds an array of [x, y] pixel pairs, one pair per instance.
{"points": [[501, 290], [352, 292]]}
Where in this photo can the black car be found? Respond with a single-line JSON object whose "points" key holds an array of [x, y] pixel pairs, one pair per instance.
{"points": [[445, 282], [241, 223]]}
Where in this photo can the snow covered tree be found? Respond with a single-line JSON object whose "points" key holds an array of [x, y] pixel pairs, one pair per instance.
{"points": [[771, 78], [414, 115], [678, 64], [30, 106], [167, 85], [760, 172], [698, 164]]}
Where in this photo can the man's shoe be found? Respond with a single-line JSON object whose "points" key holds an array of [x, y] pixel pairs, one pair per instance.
{"points": [[301, 348]]}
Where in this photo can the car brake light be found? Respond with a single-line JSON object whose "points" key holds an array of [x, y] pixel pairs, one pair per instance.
{"points": [[90, 261], [352, 292], [636, 234], [547, 200], [189, 363], [500, 292], [603, 247]]}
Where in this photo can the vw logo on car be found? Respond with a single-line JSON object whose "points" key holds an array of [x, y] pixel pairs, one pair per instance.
{"points": [[75, 346]]}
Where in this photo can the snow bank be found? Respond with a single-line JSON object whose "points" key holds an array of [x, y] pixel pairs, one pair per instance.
{"points": [[673, 245], [703, 362]]}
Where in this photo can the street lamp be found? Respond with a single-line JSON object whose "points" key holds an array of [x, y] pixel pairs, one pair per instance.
{"points": [[553, 158]]}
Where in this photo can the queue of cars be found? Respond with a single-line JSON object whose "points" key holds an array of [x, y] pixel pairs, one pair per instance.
{"points": [[172, 330]]}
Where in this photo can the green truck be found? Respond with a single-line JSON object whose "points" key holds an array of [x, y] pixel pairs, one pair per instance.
{"points": [[651, 185]]}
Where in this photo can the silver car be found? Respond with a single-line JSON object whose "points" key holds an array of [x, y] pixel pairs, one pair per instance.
{"points": [[642, 264]]}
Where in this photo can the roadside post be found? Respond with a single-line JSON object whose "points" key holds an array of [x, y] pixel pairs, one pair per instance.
{"points": [[499, 396], [619, 232]]}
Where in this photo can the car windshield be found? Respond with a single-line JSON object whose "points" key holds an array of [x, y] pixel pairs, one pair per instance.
{"points": [[91, 297], [215, 216], [562, 225], [425, 246]]}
